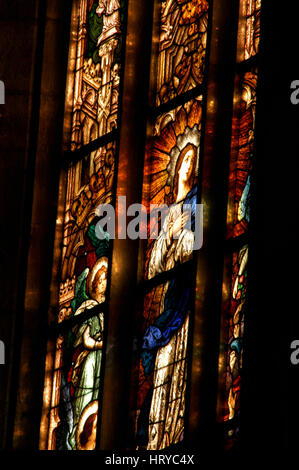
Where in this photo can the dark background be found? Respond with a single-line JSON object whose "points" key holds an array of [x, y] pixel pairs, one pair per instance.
{"points": [[274, 322]]}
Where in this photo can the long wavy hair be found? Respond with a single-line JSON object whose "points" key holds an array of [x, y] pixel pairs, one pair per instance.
{"points": [[192, 178]]}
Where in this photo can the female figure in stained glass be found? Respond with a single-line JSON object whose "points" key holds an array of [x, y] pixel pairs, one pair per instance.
{"points": [[161, 419], [84, 375], [83, 358]]}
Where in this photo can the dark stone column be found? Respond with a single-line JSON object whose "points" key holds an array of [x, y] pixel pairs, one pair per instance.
{"points": [[270, 400], [217, 121], [115, 404], [36, 62], [18, 52]]}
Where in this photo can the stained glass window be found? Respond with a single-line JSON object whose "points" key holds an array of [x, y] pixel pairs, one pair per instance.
{"points": [[182, 47], [171, 178], [171, 186], [235, 298], [93, 88]]}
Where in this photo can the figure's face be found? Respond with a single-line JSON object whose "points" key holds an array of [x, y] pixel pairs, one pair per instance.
{"points": [[186, 166], [101, 283]]}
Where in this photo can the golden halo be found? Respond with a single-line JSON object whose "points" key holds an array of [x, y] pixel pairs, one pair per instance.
{"points": [[89, 410]]}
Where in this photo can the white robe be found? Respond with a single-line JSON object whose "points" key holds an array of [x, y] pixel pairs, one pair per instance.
{"points": [[166, 418]]}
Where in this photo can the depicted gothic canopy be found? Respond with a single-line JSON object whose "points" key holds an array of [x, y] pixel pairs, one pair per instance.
{"points": [[97, 30]]}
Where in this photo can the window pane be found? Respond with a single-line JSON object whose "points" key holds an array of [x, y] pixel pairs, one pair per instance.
{"points": [[163, 365], [76, 383], [170, 179], [231, 357], [182, 47], [84, 252], [97, 32], [249, 29], [242, 154]]}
